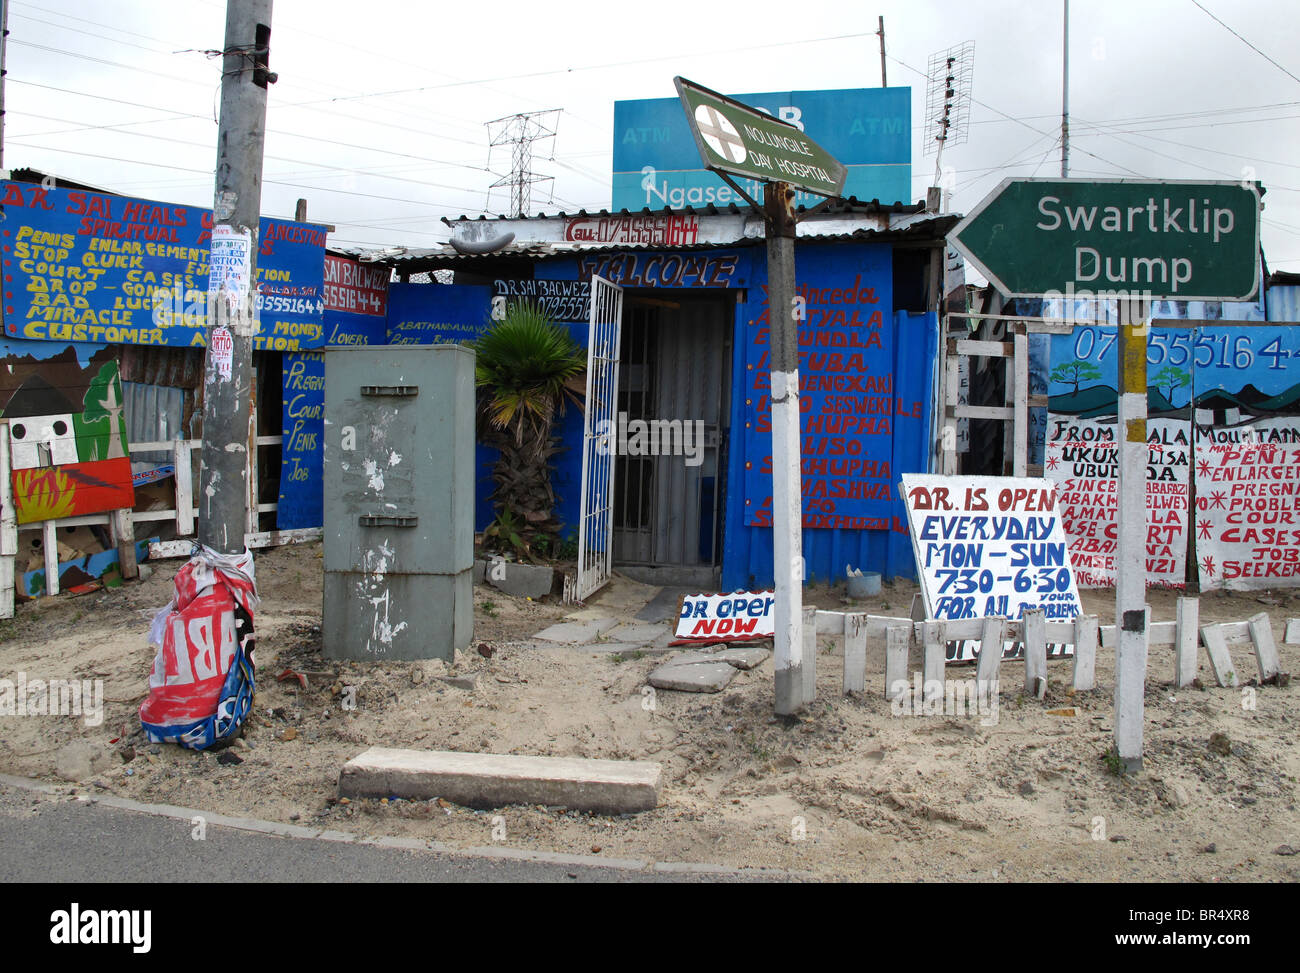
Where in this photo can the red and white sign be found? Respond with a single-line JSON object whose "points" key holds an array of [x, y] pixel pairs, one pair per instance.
{"points": [[355, 288], [744, 616], [223, 351], [658, 231]]}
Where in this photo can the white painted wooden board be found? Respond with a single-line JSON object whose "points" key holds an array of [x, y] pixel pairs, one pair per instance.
{"points": [[1186, 640], [1035, 653], [1085, 653], [50, 545], [990, 652], [809, 655], [933, 642], [1293, 631], [1216, 647], [1261, 631], [8, 529], [897, 641], [855, 654]]}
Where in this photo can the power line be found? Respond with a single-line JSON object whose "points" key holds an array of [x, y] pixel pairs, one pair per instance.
{"points": [[1246, 42]]}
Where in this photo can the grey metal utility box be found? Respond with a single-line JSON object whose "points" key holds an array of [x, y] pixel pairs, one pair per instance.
{"points": [[399, 502]]}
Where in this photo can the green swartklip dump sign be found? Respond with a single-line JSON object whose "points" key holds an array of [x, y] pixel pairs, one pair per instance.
{"points": [[1169, 239], [743, 141]]}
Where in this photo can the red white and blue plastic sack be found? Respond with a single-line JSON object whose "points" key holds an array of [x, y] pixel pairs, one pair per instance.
{"points": [[201, 686]]}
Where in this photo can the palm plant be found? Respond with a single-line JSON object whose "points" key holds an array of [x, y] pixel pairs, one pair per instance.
{"points": [[527, 366]]}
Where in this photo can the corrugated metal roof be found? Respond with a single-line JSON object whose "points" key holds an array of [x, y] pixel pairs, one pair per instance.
{"points": [[841, 205], [416, 260]]}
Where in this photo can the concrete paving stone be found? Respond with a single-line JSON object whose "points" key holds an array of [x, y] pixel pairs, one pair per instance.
{"points": [[639, 633], [576, 632], [487, 780], [704, 677]]}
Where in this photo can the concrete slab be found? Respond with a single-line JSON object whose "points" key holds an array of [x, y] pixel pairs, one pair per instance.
{"points": [[1293, 631], [576, 632], [704, 677], [522, 580], [486, 780], [640, 633], [743, 658], [740, 658]]}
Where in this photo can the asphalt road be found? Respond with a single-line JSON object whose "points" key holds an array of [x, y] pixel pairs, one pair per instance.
{"points": [[59, 839]]}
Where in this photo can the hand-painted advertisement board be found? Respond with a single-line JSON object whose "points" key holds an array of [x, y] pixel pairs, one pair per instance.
{"points": [[92, 267]]}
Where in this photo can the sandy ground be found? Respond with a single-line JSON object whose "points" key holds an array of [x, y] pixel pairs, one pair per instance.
{"points": [[849, 790]]}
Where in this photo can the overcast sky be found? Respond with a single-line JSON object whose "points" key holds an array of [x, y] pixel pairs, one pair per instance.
{"points": [[378, 117]]}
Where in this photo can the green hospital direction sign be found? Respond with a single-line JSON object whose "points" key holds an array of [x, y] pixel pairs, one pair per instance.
{"points": [[743, 141], [1174, 240]]}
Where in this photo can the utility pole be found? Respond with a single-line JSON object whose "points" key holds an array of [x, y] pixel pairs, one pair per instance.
{"points": [[232, 289], [884, 80], [1065, 96], [787, 498], [4, 48]]}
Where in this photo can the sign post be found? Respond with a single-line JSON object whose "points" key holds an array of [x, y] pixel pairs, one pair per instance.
{"points": [[736, 140], [1131, 241]]}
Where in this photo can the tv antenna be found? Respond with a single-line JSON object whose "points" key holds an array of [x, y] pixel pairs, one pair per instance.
{"points": [[947, 101]]}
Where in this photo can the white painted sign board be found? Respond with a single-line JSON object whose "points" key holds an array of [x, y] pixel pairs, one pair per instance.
{"points": [[989, 546]]}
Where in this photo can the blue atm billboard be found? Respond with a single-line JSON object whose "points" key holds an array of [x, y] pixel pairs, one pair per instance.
{"points": [[657, 164]]}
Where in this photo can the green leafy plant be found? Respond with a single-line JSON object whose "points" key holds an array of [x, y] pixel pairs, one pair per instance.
{"points": [[1114, 765], [527, 368], [506, 534]]}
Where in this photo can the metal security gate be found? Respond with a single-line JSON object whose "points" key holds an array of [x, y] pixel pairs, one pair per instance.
{"points": [[675, 374], [600, 431]]}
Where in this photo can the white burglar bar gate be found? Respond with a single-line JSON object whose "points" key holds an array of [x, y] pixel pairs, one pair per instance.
{"points": [[600, 439]]}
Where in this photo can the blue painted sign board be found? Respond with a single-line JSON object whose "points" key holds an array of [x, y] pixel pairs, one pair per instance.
{"points": [[657, 163], [82, 266]]}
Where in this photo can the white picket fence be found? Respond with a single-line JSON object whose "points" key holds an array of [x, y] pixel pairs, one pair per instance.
{"points": [[900, 635], [124, 525]]}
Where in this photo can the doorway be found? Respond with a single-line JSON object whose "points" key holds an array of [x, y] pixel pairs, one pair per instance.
{"points": [[674, 395]]}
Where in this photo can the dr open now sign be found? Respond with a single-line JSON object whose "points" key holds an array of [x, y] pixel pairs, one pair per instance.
{"points": [[744, 616]]}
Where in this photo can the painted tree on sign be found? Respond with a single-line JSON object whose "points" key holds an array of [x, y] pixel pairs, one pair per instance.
{"points": [[1173, 378], [1076, 372]]}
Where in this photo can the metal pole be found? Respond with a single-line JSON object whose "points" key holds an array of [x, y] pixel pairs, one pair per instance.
{"points": [[1065, 96], [233, 313], [1130, 580], [884, 80], [787, 500]]}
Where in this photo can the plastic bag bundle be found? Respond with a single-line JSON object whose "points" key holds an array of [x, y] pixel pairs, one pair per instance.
{"points": [[201, 686]]}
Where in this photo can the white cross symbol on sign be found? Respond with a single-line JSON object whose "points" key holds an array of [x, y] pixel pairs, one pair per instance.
{"points": [[720, 134]]}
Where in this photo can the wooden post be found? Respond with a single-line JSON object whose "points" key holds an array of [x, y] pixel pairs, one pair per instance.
{"points": [[990, 657], [122, 529], [1085, 652], [50, 548], [1020, 359], [1035, 642], [1130, 581], [809, 655], [1187, 639], [8, 529], [1261, 637], [855, 653], [932, 640], [898, 638], [184, 488], [1216, 647]]}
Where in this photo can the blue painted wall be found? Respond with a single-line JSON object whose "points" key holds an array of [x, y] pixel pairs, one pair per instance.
{"points": [[908, 351]]}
